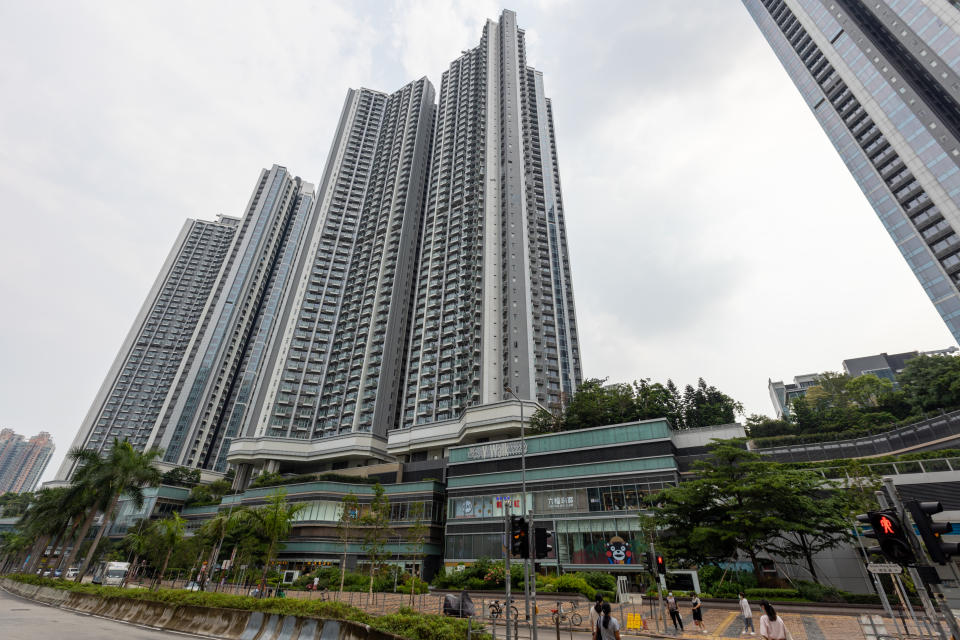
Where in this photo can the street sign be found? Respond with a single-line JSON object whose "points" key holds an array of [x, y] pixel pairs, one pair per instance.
{"points": [[884, 567]]}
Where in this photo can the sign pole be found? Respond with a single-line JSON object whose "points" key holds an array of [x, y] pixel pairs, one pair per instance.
{"points": [[508, 538], [894, 498]]}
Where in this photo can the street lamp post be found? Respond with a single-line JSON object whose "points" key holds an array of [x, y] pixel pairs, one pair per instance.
{"points": [[526, 509]]}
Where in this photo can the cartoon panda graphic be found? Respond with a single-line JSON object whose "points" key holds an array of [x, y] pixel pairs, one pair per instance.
{"points": [[618, 551]]}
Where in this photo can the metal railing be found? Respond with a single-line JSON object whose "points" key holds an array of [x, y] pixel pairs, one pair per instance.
{"points": [[889, 442]]}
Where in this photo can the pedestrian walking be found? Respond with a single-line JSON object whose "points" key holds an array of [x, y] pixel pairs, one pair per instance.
{"points": [[771, 625], [698, 612], [595, 612], [747, 616], [674, 610], [608, 628]]}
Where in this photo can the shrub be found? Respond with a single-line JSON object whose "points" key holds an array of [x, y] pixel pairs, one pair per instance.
{"points": [[411, 624], [818, 592], [405, 623], [573, 583], [597, 580]]}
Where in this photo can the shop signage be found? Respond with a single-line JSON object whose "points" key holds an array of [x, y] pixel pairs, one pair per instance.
{"points": [[496, 450], [560, 502]]}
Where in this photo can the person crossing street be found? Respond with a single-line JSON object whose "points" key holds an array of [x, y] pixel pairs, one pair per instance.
{"points": [[674, 610]]}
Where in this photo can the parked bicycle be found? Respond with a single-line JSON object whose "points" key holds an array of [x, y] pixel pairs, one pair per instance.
{"points": [[497, 610], [570, 615]]}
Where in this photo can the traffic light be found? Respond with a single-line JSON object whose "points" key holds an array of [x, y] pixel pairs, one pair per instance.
{"points": [[542, 539], [891, 535], [930, 531], [519, 543], [651, 562], [661, 566]]}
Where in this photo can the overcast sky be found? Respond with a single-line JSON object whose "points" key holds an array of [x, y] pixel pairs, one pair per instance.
{"points": [[713, 229]]}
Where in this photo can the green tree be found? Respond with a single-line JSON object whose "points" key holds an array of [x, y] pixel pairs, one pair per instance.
{"points": [[347, 521], [704, 406], [868, 390], [181, 477], [14, 505], [208, 494], [376, 523], [815, 513], [654, 400], [168, 533], [215, 531], [273, 522], [124, 471], [595, 403], [43, 522], [14, 545], [87, 499], [931, 382], [758, 426], [416, 535], [543, 421], [728, 506]]}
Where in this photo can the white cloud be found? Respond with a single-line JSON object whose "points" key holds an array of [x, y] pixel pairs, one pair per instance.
{"points": [[713, 230]]}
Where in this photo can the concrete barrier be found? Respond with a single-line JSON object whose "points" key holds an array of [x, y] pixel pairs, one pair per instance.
{"points": [[229, 624]]}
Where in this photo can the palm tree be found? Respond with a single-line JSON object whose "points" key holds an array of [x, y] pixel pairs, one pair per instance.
{"points": [[217, 529], [125, 471], [44, 521], [13, 544], [273, 522], [169, 532], [84, 498]]}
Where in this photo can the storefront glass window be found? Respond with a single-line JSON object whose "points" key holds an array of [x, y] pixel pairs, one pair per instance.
{"points": [[593, 496]]}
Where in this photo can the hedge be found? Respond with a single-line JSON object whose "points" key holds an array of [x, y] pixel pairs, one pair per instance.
{"points": [[405, 623]]}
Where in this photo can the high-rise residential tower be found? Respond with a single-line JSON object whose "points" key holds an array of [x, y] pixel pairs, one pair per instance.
{"points": [[23, 461], [128, 403], [883, 79], [428, 274], [209, 398], [337, 374], [494, 301]]}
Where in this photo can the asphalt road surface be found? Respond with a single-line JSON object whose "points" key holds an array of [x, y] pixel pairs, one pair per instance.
{"points": [[26, 620]]}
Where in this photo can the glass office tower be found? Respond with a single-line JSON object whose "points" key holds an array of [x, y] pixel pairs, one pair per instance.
{"points": [[883, 79]]}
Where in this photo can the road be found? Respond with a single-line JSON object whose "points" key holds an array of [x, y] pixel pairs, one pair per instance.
{"points": [[26, 620]]}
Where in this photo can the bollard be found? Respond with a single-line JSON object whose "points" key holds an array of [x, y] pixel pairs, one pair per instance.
{"points": [[556, 621], [470, 628]]}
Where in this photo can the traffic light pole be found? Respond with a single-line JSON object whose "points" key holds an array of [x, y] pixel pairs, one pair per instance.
{"points": [[894, 498], [656, 578], [877, 582], [532, 589], [508, 537]]}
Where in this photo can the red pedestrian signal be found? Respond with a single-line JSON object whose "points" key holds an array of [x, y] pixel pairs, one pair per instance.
{"points": [[894, 544], [661, 565], [886, 526]]}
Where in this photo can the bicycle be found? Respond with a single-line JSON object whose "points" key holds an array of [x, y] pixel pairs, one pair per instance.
{"points": [[496, 610], [571, 616]]}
